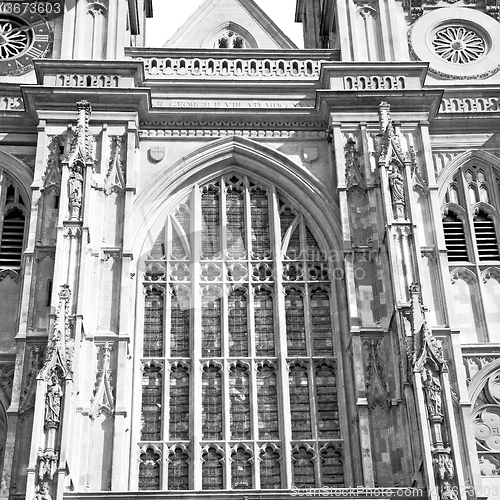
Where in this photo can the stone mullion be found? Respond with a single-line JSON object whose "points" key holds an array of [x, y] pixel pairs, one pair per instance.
{"points": [[359, 386], [226, 424], [165, 436], [313, 397], [195, 401], [281, 347]]}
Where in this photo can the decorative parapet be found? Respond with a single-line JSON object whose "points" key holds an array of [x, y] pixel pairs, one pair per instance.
{"points": [[261, 133], [383, 82], [470, 105], [210, 67], [11, 104], [82, 80]]}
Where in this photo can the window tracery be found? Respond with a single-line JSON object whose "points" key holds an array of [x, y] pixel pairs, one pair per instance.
{"points": [[471, 230], [241, 297], [229, 39]]}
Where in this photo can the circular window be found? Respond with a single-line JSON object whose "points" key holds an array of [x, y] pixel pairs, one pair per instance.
{"points": [[457, 42], [15, 37], [459, 45]]}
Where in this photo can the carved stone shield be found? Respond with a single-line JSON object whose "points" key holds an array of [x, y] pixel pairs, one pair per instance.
{"points": [[156, 153], [310, 154]]}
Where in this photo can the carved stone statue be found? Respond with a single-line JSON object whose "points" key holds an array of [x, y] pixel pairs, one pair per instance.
{"points": [[432, 388], [396, 185], [447, 492], [75, 188], [53, 401], [42, 492]]}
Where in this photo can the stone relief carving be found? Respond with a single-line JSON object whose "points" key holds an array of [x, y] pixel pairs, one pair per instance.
{"points": [[53, 398], [115, 177], [376, 387], [102, 401]]}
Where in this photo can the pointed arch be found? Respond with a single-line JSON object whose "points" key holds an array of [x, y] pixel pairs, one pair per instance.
{"points": [[239, 154], [479, 158], [19, 171]]}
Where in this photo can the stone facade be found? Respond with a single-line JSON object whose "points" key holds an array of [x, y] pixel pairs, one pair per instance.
{"points": [[233, 268]]}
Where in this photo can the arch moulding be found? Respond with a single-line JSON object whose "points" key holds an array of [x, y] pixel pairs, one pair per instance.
{"points": [[248, 157]]}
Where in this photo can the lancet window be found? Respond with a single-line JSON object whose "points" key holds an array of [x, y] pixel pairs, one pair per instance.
{"points": [[239, 373], [471, 231], [12, 223]]}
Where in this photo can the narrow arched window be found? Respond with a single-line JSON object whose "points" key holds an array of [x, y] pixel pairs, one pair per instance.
{"points": [[454, 237], [239, 364], [12, 223], [486, 238]]}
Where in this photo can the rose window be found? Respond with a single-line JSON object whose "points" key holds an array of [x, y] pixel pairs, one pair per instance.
{"points": [[14, 38], [459, 45]]}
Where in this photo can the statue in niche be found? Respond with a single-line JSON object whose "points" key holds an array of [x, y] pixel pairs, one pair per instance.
{"points": [[53, 401], [432, 388], [447, 492], [42, 492], [396, 186], [75, 187]]}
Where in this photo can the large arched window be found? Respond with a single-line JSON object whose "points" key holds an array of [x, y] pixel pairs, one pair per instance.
{"points": [[239, 385], [471, 229]]}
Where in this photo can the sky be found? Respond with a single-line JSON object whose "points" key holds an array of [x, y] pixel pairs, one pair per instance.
{"points": [[169, 15]]}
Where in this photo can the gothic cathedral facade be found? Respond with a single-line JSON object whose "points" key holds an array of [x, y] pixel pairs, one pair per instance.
{"points": [[233, 268]]}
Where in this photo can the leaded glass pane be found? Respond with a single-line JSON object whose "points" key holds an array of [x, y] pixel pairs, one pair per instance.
{"points": [[321, 323], [153, 324], [332, 467], [295, 322], [267, 397], [212, 472], [179, 403], [212, 403], [178, 470], [326, 397], [241, 469], [152, 384], [179, 323], [235, 219], [239, 395], [303, 467], [300, 406], [237, 323], [270, 471], [210, 200], [261, 239], [264, 322], [149, 470], [211, 324]]}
